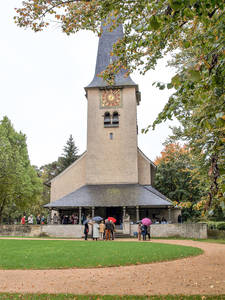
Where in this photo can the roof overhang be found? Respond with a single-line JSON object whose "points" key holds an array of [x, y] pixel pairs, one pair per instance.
{"points": [[112, 195]]}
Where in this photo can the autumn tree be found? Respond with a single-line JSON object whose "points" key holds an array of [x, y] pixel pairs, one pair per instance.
{"points": [[177, 177], [20, 186], [191, 29]]}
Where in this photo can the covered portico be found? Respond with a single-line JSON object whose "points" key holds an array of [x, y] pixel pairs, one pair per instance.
{"points": [[122, 201]]}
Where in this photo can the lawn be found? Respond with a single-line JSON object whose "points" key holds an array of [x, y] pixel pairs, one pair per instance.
{"points": [[74, 297], [50, 254], [210, 240]]}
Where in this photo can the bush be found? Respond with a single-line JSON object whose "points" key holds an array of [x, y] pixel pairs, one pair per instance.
{"points": [[221, 226], [215, 225]]}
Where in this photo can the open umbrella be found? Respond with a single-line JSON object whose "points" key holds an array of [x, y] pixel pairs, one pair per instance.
{"points": [[112, 219], [97, 219], [146, 221]]}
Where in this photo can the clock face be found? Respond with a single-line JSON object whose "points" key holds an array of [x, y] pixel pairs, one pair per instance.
{"points": [[111, 98]]}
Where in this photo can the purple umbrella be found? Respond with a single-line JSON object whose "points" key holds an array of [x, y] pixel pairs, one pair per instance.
{"points": [[146, 221]]}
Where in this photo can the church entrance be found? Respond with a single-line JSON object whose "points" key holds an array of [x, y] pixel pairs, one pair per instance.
{"points": [[115, 212]]}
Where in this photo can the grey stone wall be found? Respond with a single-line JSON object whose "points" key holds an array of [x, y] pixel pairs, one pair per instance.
{"points": [[20, 230], [197, 231], [76, 231]]}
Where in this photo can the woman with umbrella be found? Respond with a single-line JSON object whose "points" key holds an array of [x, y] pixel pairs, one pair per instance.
{"points": [[146, 222]]}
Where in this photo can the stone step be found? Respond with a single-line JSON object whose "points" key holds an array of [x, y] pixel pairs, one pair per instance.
{"points": [[121, 235]]}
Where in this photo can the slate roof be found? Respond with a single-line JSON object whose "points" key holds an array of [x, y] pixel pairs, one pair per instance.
{"points": [[105, 46], [109, 195]]}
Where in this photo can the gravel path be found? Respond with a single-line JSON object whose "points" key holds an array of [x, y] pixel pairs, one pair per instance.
{"points": [[204, 274]]}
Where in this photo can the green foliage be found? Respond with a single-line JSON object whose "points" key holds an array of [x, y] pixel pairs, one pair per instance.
{"points": [[83, 254], [215, 225], [177, 178], [51, 170], [20, 186], [69, 154]]}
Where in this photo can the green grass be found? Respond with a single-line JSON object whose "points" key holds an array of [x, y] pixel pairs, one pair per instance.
{"points": [[115, 297], [50, 254], [217, 241]]}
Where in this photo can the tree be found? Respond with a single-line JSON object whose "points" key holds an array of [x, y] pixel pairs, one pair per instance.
{"points": [[69, 154], [51, 170], [20, 186], [177, 177], [191, 29]]}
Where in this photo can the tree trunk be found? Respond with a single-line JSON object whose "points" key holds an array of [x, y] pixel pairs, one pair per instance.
{"points": [[214, 175]]}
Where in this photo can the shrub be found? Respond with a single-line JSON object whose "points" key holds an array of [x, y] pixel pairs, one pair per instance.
{"points": [[221, 226]]}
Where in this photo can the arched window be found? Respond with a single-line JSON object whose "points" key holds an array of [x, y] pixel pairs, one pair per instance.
{"points": [[115, 118], [107, 119]]}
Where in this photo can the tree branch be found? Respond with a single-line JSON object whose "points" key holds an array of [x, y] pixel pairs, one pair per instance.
{"points": [[62, 2]]}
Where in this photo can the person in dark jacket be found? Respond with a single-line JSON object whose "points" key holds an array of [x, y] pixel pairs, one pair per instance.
{"points": [[113, 228], [86, 230], [144, 232]]}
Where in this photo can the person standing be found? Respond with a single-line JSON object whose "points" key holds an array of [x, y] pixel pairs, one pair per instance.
{"points": [[102, 230], [30, 220], [139, 231], [38, 219], [107, 230], [42, 220], [113, 227], [55, 219], [144, 231], [95, 231], [23, 220], [86, 230], [149, 232]]}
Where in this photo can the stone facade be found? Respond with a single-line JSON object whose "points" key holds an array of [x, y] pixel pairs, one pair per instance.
{"points": [[112, 161], [145, 175], [69, 180], [116, 161]]}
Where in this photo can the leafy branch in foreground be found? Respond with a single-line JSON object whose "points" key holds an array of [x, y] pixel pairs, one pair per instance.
{"points": [[192, 29]]}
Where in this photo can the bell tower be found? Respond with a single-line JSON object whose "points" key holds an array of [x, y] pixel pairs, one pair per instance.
{"points": [[112, 121]]}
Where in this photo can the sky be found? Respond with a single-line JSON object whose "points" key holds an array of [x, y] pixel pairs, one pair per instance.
{"points": [[42, 80]]}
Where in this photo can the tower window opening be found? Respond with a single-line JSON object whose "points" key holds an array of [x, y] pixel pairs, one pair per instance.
{"points": [[107, 119], [111, 136], [115, 118]]}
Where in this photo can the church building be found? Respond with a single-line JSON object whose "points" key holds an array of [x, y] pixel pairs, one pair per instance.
{"points": [[113, 177]]}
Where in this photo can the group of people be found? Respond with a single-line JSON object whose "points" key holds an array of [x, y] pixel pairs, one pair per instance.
{"points": [[65, 219], [30, 220], [160, 221], [104, 230], [143, 232]]}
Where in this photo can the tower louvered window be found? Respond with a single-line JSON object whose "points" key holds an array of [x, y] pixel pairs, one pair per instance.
{"points": [[107, 119], [115, 119]]}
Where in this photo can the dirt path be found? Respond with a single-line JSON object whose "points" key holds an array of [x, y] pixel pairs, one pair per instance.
{"points": [[204, 274]]}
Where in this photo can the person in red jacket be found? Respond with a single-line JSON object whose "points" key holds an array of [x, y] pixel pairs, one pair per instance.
{"points": [[23, 220]]}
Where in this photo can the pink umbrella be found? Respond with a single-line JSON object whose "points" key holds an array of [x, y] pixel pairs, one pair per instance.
{"points": [[146, 221]]}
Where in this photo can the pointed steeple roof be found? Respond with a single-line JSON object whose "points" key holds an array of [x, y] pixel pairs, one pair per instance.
{"points": [[105, 47]]}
